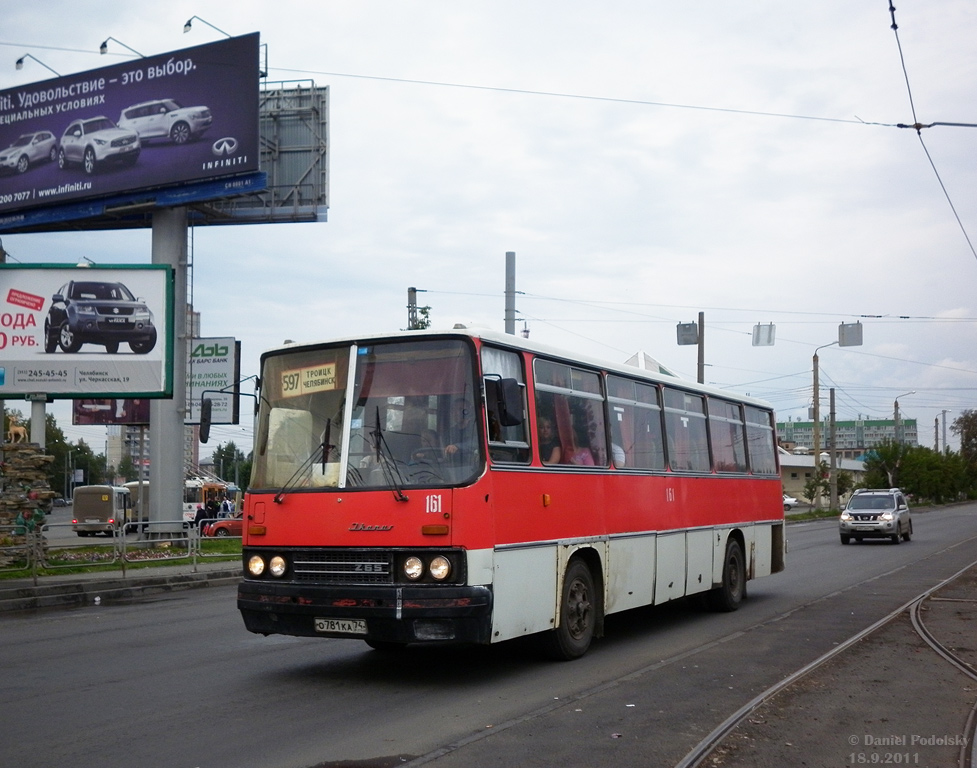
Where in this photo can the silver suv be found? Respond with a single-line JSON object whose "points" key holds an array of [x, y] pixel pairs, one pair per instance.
{"points": [[876, 513], [166, 119]]}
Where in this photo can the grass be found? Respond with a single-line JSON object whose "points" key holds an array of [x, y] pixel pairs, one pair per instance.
{"points": [[812, 514], [97, 558]]}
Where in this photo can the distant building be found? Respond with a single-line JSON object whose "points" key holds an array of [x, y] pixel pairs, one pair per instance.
{"points": [[797, 470], [853, 438]]}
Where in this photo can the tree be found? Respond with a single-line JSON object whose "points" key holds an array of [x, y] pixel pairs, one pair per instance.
{"points": [[423, 320], [232, 465], [965, 426], [919, 471], [818, 485], [127, 469], [91, 465], [845, 481], [882, 465]]}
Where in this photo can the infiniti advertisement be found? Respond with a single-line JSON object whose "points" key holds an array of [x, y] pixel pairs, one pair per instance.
{"points": [[86, 331], [182, 116]]}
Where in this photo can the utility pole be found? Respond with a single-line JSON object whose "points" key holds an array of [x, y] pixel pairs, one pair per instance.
{"points": [[817, 424], [832, 452], [895, 414], [510, 292], [702, 348], [411, 308]]}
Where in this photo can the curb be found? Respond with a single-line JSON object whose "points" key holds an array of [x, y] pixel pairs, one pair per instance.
{"points": [[115, 589]]}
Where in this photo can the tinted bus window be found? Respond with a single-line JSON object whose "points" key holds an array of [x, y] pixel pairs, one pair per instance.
{"points": [[685, 430], [636, 431], [726, 432], [761, 441], [569, 401]]}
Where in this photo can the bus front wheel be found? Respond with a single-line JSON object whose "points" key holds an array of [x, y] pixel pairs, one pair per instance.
{"points": [[730, 594], [578, 614]]}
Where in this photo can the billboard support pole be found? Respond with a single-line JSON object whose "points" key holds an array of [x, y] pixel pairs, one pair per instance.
{"points": [[38, 421], [166, 417]]}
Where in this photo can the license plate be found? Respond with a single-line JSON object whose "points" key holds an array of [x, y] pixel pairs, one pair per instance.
{"points": [[117, 320], [92, 520], [342, 626], [864, 528]]}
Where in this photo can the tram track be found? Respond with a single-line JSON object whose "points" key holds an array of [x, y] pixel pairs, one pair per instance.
{"points": [[914, 608], [701, 751]]}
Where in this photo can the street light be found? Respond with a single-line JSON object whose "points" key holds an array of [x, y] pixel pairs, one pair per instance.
{"points": [[189, 25], [20, 63], [104, 47], [895, 414]]}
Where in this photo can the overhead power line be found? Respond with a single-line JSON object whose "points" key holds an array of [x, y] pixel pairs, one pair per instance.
{"points": [[918, 126]]}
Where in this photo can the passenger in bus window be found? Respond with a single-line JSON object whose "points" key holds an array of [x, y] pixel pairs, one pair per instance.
{"points": [[549, 444], [580, 453]]}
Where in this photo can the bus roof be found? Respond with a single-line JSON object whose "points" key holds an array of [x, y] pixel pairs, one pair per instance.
{"points": [[525, 345]]}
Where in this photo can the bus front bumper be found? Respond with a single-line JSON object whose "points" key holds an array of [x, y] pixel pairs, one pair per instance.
{"points": [[382, 614]]}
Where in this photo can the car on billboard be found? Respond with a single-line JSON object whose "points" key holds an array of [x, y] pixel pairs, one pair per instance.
{"points": [[89, 312], [96, 141], [166, 119], [29, 149]]}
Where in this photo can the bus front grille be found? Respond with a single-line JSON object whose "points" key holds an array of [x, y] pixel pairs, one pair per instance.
{"points": [[343, 567]]}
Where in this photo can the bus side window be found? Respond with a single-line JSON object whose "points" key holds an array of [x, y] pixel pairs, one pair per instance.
{"points": [[573, 400], [505, 405], [636, 433], [685, 428]]}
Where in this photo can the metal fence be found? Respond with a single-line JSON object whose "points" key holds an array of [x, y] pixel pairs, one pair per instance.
{"points": [[54, 546]]}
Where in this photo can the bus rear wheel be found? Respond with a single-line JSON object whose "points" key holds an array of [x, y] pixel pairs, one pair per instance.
{"points": [[730, 594], [578, 614]]}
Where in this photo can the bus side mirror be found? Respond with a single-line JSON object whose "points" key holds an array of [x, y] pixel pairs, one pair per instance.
{"points": [[510, 406], [206, 409], [505, 399]]}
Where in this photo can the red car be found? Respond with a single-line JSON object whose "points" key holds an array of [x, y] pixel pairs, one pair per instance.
{"points": [[229, 526]]}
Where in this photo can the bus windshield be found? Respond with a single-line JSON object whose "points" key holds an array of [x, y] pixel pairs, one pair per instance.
{"points": [[404, 417]]}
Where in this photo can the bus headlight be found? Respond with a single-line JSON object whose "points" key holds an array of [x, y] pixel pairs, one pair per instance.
{"points": [[256, 565], [277, 566], [413, 568], [440, 568]]}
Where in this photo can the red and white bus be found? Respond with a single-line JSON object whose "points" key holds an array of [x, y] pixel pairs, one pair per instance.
{"points": [[475, 487]]}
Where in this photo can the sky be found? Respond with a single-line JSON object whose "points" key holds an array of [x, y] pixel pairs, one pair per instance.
{"points": [[645, 160]]}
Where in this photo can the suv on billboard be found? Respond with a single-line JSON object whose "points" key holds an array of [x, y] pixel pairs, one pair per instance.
{"points": [[86, 312], [95, 141], [166, 118], [29, 149]]}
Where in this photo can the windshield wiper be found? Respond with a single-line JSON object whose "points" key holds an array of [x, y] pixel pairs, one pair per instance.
{"points": [[388, 464]]}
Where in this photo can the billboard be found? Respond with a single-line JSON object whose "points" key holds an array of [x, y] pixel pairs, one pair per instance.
{"points": [[214, 367], [72, 332], [96, 411], [179, 117]]}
